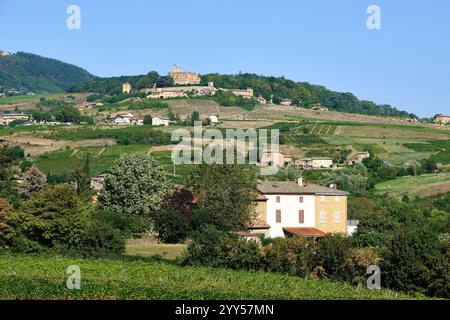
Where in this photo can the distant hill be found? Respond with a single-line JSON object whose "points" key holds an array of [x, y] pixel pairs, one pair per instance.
{"points": [[302, 94], [28, 72]]}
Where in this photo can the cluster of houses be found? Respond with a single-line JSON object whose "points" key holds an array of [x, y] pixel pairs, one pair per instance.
{"points": [[127, 118], [279, 159]]}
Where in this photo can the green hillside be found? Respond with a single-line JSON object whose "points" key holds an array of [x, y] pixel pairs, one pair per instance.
{"points": [[28, 72]]}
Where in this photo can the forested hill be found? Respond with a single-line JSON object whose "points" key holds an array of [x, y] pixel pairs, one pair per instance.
{"points": [[302, 93], [28, 72]]}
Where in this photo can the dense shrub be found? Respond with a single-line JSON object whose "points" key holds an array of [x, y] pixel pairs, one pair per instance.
{"points": [[101, 240], [238, 253], [291, 255], [331, 253], [7, 231], [129, 226], [171, 226], [204, 248], [357, 264], [404, 259]]}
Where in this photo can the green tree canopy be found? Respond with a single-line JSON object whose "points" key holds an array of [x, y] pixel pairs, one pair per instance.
{"points": [[135, 185]]}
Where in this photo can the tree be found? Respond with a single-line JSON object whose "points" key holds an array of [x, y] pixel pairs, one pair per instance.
{"points": [[195, 117], [54, 216], [34, 181], [171, 115], [171, 226], [227, 191], [135, 185], [148, 119], [68, 114], [354, 183], [7, 231]]}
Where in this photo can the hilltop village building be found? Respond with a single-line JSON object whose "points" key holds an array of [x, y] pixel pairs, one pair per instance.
{"points": [[314, 163], [287, 208], [183, 77], [442, 119], [188, 84]]}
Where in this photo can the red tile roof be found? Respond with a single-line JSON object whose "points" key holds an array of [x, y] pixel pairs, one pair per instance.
{"points": [[305, 232]]}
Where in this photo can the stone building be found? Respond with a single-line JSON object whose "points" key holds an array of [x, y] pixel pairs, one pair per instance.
{"points": [[183, 77], [126, 88]]}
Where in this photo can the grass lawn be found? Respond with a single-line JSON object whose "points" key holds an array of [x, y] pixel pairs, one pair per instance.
{"points": [[424, 185], [169, 251], [25, 277]]}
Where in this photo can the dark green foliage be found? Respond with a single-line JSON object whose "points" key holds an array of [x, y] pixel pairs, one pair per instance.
{"points": [[101, 240], [29, 72], [404, 260], [228, 98], [237, 253], [170, 226], [331, 253], [129, 226], [204, 247], [302, 93], [227, 191], [147, 119]]}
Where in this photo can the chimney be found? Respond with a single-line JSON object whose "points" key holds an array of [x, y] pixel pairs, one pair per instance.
{"points": [[300, 181]]}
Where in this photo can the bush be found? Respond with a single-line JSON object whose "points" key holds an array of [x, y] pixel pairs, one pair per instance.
{"points": [[238, 253], [129, 226], [171, 226], [7, 231], [357, 263], [101, 240], [290, 255], [331, 253], [204, 248]]}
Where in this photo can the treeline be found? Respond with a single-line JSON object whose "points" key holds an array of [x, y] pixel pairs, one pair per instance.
{"points": [[113, 85], [302, 94], [32, 73]]}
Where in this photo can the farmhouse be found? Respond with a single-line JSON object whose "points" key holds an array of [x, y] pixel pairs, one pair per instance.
{"points": [[287, 208], [157, 121], [247, 93], [286, 102], [126, 118], [442, 119], [261, 100], [7, 118], [270, 158], [213, 120], [360, 156], [315, 163]]}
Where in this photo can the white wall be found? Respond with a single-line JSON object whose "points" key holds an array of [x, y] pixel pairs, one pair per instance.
{"points": [[289, 206]]}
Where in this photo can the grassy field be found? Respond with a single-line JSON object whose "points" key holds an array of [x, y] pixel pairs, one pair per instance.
{"points": [[168, 251], [102, 158], [139, 278], [421, 186], [18, 99]]}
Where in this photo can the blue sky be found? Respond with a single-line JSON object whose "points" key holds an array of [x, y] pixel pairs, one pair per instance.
{"points": [[405, 64]]}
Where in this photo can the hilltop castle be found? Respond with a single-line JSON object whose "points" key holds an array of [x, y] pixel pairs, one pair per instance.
{"points": [[183, 77]]}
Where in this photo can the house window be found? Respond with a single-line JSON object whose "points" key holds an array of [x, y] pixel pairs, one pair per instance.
{"points": [[278, 216], [300, 199], [337, 217], [338, 199], [301, 216], [322, 199], [278, 199], [322, 217]]}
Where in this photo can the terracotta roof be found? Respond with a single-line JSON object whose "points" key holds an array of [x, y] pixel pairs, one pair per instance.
{"points": [[305, 232], [289, 187]]}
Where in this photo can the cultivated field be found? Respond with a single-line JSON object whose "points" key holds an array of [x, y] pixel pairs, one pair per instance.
{"points": [[422, 186], [139, 278]]}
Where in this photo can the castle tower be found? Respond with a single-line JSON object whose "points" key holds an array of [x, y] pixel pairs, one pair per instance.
{"points": [[126, 88]]}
